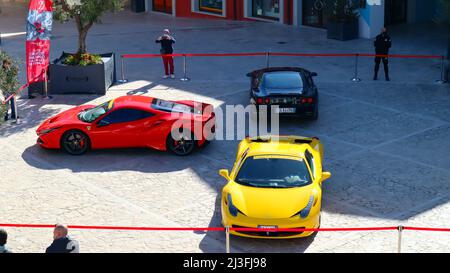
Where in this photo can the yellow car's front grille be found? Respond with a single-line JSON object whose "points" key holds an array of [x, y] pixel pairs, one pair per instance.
{"points": [[268, 234]]}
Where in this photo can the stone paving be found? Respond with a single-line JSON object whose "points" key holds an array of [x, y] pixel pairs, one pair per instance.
{"points": [[386, 145]]}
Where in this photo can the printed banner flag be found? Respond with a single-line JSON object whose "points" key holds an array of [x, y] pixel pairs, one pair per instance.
{"points": [[39, 27]]}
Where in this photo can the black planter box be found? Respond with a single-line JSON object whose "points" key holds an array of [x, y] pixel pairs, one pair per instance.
{"points": [[343, 31], [35, 89], [138, 6], [91, 79]]}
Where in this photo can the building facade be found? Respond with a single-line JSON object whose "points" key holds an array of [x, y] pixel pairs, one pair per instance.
{"points": [[374, 13]]}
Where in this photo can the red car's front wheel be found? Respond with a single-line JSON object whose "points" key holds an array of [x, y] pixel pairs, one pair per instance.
{"points": [[75, 142]]}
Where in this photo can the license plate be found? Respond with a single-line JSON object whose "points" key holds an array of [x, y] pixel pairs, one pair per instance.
{"points": [[267, 227], [285, 110]]}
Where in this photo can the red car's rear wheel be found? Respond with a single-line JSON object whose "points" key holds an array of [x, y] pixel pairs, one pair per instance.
{"points": [[75, 142], [181, 142]]}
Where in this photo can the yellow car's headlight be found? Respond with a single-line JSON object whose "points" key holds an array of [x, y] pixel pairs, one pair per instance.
{"points": [[305, 212], [231, 208]]}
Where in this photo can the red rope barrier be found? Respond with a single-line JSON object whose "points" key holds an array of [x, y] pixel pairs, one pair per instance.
{"points": [[427, 229], [225, 54], [400, 56], [312, 54], [134, 56], [222, 228], [313, 229], [138, 56], [15, 93], [21, 89]]}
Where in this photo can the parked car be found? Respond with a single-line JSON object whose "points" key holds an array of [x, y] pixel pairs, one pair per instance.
{"points": [[292, 89], [129, 121], [276, 183]]}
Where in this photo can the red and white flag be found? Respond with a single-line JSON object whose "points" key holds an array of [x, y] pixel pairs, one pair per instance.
{"points": [[39, 27]]}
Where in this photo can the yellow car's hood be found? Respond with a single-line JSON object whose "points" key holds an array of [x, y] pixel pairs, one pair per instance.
{"points": [[270, 203]]}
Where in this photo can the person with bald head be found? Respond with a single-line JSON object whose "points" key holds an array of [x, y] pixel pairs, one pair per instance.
{"points": [[62, 243], [382, 45]]}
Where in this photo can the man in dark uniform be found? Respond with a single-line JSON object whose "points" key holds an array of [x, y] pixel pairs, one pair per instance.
{"points": [[382, 45]]}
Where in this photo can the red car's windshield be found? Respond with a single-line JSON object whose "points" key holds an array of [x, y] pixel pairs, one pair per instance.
{"points": [[89, 115]]}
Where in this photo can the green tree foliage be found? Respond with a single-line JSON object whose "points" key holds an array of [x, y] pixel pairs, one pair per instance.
{"points": [[86, 13], [9, 81]]}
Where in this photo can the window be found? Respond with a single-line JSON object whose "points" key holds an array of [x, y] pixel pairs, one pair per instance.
{"points": [[89, 115], [309, 157], [273, 172], [173, 107], [282, 80], [213, 6], [267, 9], [126, 115]]}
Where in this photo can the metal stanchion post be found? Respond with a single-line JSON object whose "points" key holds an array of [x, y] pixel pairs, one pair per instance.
{"points": [[227, 234], [399, 248], [267, 59], [355, 78], [185, 78], [16, 113], [46, 96], [122, 72], [442, 80]]}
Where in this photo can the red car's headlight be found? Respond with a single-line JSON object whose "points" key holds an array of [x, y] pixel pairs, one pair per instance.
{"points": [[47, 131]]}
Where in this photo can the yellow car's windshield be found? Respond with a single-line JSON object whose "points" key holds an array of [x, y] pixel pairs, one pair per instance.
{"points": [[273, 172]]}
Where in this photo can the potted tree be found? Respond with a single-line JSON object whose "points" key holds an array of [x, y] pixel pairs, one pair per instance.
{"points": [[82, 72], [343, 22]]}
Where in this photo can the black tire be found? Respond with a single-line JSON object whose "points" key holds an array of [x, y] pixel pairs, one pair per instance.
{"points": [[75, 142], [184, 143], [315, 115]]}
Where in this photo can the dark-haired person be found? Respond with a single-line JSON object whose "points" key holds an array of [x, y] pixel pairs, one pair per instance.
{"points": [[382, 45], [167, 41], [3, 241], [62, 243]]}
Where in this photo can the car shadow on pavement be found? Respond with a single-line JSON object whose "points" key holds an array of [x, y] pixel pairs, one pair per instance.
{"points": [[248, 245]]}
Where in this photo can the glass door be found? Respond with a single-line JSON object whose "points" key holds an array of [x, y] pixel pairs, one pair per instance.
{"points": [[395, 12], [314, 13], [162, 6]]}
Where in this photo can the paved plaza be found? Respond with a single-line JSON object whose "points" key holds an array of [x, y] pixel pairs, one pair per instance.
{"points": [[387, 144]]}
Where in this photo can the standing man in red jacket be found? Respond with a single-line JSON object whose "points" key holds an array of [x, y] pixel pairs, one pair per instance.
{"points": [[166, 41]]}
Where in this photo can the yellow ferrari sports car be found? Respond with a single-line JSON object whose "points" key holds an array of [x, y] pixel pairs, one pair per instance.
{"points": [[276, 183]]}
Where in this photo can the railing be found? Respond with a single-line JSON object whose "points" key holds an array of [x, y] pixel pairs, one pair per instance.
{"points": [[227, 230], [267, 55], [14, 95]]}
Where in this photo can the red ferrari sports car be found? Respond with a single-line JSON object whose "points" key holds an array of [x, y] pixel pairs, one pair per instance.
{"points": [[130, 121]]}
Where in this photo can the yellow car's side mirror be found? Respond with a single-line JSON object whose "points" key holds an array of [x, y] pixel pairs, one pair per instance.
{"points": [[326, 176], [224, 173]]}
